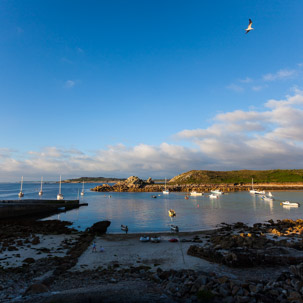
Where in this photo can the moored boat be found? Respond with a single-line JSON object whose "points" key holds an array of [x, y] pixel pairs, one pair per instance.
{"points": [[267, 199], [292, 204], [60, 196], [171, 213], [195, 194], [216, 192], [124, 228], [212, 196], [41, 192], [82, 192], [174, 228], [155, 239], [21, 194], [255, 192], [144, 239], [165, 191]]}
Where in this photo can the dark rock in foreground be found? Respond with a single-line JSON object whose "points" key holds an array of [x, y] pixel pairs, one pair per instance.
{"points": [[99, 228]]}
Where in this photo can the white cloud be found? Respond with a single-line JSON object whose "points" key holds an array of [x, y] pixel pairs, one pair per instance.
{"points": [[279, 75], [246, 80], [70, 83], [264, 139], [257, 88]]}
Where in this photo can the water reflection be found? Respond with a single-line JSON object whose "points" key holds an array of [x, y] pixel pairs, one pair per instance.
{"points": [[142, 213]]}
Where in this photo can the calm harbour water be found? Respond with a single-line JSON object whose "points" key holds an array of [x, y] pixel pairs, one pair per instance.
{"points": [[142, 213]]}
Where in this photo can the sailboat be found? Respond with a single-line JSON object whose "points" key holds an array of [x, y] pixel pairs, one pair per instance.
{"points": [[165, 191], [21, 194], [82, 192], [60, 196], [255, 192], [41, 192]]}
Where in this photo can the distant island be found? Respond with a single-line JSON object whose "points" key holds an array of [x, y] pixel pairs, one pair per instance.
{"points": [[93, 180], [205, 181]]}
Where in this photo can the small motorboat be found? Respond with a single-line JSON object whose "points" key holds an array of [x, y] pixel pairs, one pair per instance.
{"points": [[124, 228], [217, 192], [267, 199], [212, 196], [155, 197], [292, 204], [173, 240], [186, 197], [174, 228], [171, 213], [155, 239], [144, 239], [195, 194]]}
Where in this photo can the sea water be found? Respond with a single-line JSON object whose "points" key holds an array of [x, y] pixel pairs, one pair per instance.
{"points": [[142, 213]]}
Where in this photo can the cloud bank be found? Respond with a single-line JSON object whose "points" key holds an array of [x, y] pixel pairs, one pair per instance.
{"points": [[266, 139]]}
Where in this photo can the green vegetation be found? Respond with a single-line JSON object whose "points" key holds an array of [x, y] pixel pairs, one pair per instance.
{"points": [[239, 176], [92, 180]]}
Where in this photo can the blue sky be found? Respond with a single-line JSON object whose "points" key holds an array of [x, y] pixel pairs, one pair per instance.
{"points": [[117, 88]]}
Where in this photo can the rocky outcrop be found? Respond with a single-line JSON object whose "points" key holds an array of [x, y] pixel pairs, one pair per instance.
{"points": [[239, 245], [150, 181], [137, 185], [99, 228]]}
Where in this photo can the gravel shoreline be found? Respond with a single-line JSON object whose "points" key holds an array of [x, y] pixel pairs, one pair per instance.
{"points": [[153, 272]]}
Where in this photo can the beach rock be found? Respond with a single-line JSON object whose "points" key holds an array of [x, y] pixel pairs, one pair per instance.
{"points": [[99, 227], [29, 260], [150, 181], [297, 270], [37, 288], [36, 241]]}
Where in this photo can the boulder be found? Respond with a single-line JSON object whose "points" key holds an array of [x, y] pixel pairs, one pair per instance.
{"points": [[150, 181], [37, 288], [29, 260], [99, 227]]}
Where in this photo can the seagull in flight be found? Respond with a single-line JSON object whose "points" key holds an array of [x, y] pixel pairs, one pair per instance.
{"points": [[249, 28]]}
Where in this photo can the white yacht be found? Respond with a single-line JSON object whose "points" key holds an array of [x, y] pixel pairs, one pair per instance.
{"points": [[41, 192], [292, 204], [255, 192], [217, 192], [82, 192], [60, 196], [268, 199], [165, 191], [195, 194], [21, 194]]}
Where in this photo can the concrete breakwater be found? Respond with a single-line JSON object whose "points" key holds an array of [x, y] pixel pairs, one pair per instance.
{"points": [[30, 208], [195, 187]]}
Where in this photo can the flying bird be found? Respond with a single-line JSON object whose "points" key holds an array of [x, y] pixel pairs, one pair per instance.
{"points": [[249, 28]]}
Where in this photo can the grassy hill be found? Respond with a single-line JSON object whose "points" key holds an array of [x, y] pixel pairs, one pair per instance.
{"points": [[239, 176]]}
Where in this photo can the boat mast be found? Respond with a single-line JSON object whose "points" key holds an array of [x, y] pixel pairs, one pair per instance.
{"points": [[21, 184], [60, 186], [41, 183], [252, 183]]}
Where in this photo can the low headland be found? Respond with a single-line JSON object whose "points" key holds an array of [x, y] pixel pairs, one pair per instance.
{"points": [[205, 181]]}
